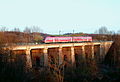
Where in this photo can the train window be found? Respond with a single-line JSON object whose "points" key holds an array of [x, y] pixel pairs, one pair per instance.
{"points": [[49, 38], [65, 38], [69, 38], [83, 37], [76, 37], [89, 37], [56, 38]]}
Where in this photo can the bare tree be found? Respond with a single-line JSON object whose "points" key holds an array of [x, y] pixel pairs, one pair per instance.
{"points": [[104, 30], [16, 29], [27, 30], [118, 32], [36, 29], [3, 28]]}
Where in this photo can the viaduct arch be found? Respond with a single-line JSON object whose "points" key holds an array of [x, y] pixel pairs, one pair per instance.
{"points": [[71, 53]]}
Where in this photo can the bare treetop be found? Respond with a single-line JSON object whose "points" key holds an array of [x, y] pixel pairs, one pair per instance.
{"points": [[3, 28], [33, 29], [104, 30], [16, 29], [27, 30], [36, 29]]}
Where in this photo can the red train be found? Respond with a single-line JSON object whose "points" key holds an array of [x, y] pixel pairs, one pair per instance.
{"points": [[67, 39]]}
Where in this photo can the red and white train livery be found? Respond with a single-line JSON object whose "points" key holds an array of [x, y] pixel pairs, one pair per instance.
{"points": [[67, 39]]}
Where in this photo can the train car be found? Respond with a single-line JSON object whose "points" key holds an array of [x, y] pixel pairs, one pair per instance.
{"points": [[67, 39], [80, 39], [57, 39]]}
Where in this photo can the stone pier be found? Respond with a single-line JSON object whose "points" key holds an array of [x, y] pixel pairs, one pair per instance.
{"points": [[45, 52], [28, 59]]}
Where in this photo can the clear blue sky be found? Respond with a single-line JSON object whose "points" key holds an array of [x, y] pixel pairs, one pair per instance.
{"points": [[65, 15]]}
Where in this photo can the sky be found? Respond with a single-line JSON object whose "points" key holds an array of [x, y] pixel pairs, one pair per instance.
{"points": [[53, 16]]}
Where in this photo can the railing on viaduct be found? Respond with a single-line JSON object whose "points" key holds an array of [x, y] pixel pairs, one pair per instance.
{"points": [[62, 51]]}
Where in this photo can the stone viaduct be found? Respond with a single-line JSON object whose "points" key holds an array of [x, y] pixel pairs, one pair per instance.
{"points": [[72, 52]]}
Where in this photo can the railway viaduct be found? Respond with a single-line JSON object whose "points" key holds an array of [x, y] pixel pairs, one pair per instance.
{"points": [[71, 52]]}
